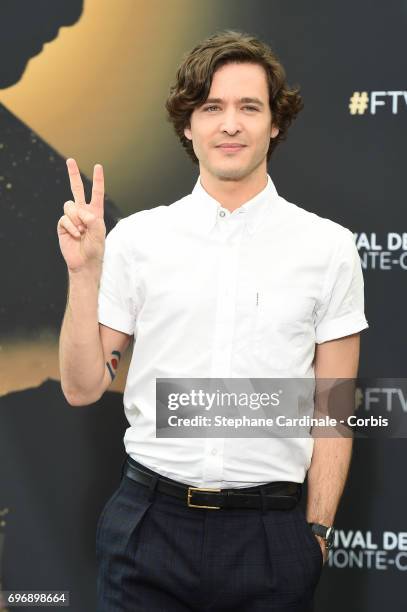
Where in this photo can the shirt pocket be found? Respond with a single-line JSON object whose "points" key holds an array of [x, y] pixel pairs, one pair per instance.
{"points": [[282, 324]]}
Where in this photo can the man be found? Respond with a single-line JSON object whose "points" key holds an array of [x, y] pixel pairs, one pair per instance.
{"points": [[230, 281]]}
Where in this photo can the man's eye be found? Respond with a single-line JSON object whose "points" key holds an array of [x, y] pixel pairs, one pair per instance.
{"points": [[249, 107]]}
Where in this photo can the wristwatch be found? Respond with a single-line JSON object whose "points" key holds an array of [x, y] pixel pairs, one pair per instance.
{"points": [[327, 533]]}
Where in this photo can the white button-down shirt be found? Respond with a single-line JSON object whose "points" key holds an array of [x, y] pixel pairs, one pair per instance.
{"points": [[207, 294]]}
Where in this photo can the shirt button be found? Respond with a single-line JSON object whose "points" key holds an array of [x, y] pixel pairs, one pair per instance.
{"points": [[222, 213], [214, 451]]}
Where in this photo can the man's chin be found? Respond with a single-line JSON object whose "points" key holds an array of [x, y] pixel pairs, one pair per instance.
{"points": [[233, 169], [230, 174]]}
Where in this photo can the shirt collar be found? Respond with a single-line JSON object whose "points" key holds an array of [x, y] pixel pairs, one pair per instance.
{"points": [[207, 209]]}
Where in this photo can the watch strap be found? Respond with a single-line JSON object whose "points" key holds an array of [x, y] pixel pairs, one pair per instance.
{"points": [[325, 532], [319, 529]]}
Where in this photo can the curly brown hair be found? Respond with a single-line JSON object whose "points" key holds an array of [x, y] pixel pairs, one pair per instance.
{"points": [[195, 73]]}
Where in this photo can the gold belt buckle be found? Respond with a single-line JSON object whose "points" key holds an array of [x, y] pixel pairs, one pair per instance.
{"points": [[197, 505]]}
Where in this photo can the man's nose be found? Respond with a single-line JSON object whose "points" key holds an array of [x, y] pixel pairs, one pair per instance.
{"points": [[230, 122]]}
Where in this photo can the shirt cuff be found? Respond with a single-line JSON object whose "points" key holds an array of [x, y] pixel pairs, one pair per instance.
{"points": [[338, 328], [114, 317]]}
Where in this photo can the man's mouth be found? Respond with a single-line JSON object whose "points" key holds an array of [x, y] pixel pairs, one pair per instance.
{"points": [[230, 147]]}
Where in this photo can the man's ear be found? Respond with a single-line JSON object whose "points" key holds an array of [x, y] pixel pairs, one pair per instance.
{"points": [[188, 133], [274, 131]]}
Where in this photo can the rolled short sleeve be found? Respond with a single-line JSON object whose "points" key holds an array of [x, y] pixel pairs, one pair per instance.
{"points": [[341, 311], [116, 299]]}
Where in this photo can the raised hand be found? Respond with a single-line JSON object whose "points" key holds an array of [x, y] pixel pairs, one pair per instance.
{"points": [[81, 230]]}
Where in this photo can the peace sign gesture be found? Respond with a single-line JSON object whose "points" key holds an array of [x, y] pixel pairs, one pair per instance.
{"points": [[81, 230]]}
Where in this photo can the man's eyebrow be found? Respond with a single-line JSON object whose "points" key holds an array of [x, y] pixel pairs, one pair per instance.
{"points": [[245, 100]]}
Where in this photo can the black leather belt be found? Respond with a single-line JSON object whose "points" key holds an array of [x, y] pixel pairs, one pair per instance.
{"points": [[275, 495]]}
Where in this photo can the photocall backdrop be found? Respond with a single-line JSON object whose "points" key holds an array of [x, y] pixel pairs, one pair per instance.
{"points": [[88, 80]]}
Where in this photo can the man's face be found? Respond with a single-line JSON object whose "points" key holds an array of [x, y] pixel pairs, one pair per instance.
{"points": [[236, 112]]}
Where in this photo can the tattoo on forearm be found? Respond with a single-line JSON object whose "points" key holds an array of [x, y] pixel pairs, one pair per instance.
{"points": [[113, 364]]}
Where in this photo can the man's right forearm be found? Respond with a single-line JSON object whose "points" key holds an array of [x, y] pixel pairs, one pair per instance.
{"points": [[81, 358]]}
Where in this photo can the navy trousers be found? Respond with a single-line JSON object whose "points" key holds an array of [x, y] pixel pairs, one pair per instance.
{"points": [[155, 554]]}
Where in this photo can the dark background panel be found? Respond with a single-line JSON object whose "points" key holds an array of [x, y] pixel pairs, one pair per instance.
{"points": [[58, 464]]}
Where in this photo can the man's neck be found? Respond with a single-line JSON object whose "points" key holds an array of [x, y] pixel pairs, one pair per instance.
{"points": [[232, 194]]}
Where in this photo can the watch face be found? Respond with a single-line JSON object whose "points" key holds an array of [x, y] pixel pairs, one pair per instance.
{"points": [[329, 537]]}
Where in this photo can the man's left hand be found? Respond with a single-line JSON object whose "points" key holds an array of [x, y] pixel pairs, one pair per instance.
{"points": [[325, 551]]}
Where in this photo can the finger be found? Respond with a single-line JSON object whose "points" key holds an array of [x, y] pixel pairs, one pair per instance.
{"points": [[76, 181], [68, 226], [98, 189], [71, 211], [86, 217]]}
